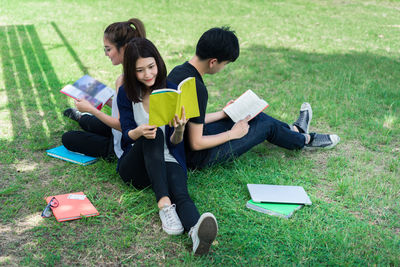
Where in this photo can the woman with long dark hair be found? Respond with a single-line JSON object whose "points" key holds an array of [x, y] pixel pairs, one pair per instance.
{"points": [[102, 133], [155, 155]]}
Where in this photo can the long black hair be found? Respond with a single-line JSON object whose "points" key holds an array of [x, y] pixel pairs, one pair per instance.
{"points": [[135, 49]]}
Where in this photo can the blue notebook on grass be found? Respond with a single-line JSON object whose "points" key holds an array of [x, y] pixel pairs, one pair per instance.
{"points": [[62, 153]]}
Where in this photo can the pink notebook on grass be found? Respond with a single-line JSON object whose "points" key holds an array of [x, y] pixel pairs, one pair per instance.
{"points": [[72, 206]]}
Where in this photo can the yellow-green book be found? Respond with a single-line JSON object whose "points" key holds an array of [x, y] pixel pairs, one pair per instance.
{"points": [[275, 209], [165, 103]]}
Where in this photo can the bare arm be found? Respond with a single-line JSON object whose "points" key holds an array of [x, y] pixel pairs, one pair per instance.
{"points": [[148, 131], [198, 141], [216, 116], [84, 106], [179, 127], [177, 136]]}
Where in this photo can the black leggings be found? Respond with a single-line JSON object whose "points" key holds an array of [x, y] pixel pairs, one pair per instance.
{"points": [[144, 165], [95, 141]]}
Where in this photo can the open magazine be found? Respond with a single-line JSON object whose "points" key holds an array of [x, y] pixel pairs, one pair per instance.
{"points": [[90, 89]]}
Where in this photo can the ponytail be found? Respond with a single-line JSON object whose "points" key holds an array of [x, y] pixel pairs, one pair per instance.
{"points": [[120, 33], [138, 28]]}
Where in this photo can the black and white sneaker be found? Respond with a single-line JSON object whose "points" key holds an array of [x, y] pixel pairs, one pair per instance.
{"points": [[73, 114], [303, 121], [325, 141], [204, 233]]}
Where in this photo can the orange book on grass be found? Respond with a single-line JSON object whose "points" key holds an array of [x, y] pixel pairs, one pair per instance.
{"points": [[72, 206]]}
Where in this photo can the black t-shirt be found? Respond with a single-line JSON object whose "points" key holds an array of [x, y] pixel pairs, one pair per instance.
{"points": [[178, 74], [186, 70]]}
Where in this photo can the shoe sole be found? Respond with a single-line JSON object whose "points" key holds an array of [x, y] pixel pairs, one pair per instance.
{"points": [[307, 106], [173, 232], [207, 233]]}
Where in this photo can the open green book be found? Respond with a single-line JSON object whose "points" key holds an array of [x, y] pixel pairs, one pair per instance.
{"points": [[165, 103], [274, 209]]}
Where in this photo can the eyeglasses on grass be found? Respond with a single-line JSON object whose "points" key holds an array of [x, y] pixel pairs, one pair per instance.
{"points": [[53, 203]]}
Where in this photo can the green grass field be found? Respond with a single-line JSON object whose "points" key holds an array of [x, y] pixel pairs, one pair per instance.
{"points": [[341, 56]]}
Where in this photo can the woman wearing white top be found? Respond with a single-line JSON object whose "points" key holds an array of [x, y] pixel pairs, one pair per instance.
{"points": [[102, 133], [155, 156]]}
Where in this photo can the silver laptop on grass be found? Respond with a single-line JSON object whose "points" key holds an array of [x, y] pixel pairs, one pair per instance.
{"points": [[278, 194]]}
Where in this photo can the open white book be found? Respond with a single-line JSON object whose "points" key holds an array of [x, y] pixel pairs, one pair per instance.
{"points": [[246, 104]]}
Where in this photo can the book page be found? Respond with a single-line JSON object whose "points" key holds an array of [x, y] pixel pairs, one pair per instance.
{"points": [[188, 99], [76, 93], [247, 104], [104, 95], [94, 88], [72, 91]]}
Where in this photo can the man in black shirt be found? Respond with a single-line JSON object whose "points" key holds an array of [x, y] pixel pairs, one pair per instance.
{"points": [[213, 138]]}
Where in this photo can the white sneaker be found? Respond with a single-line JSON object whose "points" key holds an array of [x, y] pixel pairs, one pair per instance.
{"points": [[204, 233], [171, 223]]}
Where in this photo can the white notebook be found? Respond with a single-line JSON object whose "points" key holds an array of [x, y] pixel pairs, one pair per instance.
{"points": [[278, 194]]}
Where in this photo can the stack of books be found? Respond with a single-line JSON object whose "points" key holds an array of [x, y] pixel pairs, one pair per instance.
{"points": [[277, 200], [275, 209]]}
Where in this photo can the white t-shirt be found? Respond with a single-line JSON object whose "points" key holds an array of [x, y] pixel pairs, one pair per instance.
{"points": [[142, 117], [117, 134]]}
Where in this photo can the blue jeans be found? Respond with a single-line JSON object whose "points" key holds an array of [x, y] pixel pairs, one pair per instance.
{"points": [[262, 127]]}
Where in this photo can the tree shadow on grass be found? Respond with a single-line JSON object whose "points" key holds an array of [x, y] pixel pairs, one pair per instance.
{"points": [[34, 103], [35, 123], [74, 55], [32, 89]]}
